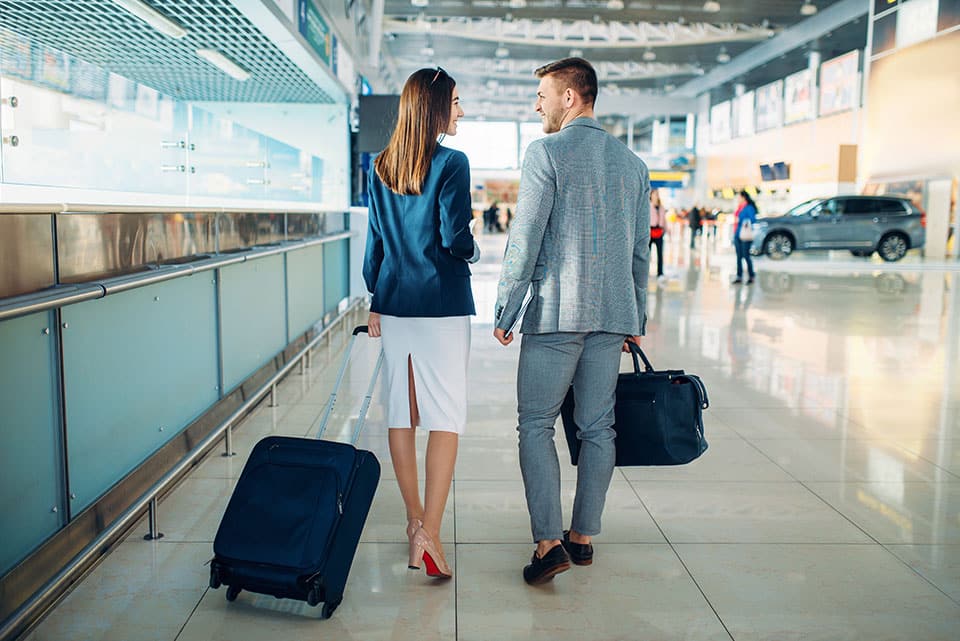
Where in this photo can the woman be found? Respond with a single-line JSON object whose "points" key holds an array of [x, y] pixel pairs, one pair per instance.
{"points": [[747, 212], [658, 226], [418, 247]]}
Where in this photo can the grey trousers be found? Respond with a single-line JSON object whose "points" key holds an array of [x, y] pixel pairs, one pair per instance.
{"points": [[549, 363]]}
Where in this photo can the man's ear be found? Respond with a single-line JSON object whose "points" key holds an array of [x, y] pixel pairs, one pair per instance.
{"points": [[568, 97]]}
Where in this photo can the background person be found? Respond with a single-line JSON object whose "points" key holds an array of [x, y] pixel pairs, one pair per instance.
{"points": [[746, 212], [658, 227]]}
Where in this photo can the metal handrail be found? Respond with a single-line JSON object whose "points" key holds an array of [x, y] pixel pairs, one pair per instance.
{"points": [[65, 295], [28, 609], [82, 208]]}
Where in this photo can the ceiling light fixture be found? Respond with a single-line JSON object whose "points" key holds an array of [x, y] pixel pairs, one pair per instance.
{"points": [[614, 5], [153, 17], [649, 55], [427, 51], [420, 3], [576, 53], [518, 4], [225, 64], [808, 8], [501, 52], [723, 57], [711, 6]]}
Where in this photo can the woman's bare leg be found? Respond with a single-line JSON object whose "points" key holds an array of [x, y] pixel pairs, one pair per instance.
{"points": [[403, 452]]}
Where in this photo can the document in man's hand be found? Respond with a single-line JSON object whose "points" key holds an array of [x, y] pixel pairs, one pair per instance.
{"points": [[523, 308]]}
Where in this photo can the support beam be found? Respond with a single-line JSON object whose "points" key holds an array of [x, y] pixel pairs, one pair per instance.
{"points": [[829, 19], [579, 33]]}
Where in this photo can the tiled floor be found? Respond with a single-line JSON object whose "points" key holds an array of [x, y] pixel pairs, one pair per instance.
{"points": [[827, 507]]}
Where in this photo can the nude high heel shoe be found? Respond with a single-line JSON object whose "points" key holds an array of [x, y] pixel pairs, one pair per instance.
{"points": [[423, 547], [412, 526]]}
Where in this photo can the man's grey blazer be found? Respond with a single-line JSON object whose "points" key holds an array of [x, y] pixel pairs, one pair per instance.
{"points": [[580, 238]]}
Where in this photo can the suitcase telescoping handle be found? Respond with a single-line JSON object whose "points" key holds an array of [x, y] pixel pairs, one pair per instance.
{"points": [[360, 329]]}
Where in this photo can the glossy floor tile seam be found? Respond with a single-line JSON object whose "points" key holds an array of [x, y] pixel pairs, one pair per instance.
{"points": [[887, 547], [186, 621], [673, 549]]}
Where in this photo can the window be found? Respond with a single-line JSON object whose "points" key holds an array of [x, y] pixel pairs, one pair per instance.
{"points": [[860, 206], [890, 206]]}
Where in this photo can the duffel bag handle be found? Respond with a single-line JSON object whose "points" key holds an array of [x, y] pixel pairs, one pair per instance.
{"points": [[636, 351]]}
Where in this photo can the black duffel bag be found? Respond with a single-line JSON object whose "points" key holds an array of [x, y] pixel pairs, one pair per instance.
{"points": [[658, 420]]}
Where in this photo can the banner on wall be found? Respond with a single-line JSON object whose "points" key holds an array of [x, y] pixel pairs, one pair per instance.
{"points": [[720, 122], [54, 69], [744, 108], [315, 30], [770, 106], [798, 99], [16, 55], [839, 83]]}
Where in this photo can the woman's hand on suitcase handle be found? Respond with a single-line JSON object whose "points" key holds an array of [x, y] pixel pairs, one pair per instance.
{"points": [[632, 339], [373, 325]]}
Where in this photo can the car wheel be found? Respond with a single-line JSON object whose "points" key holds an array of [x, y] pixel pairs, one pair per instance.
{"points": [[862, 253], [778, 246], [892, 247]]}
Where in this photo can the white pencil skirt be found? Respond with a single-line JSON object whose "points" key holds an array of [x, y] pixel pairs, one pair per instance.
{"points": [[439, 350]]}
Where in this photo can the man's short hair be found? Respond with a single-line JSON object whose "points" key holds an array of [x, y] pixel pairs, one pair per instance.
{"points": [[576, 73]]}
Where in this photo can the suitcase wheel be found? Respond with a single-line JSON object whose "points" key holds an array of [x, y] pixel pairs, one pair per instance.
{"points": [[214, 577], [313, 596], [328, 608], [232, 593]]}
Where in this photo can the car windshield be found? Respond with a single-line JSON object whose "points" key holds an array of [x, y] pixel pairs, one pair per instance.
{"points": [[805, 207]]}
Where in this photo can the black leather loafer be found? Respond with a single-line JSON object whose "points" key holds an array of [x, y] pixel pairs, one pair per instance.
{"points": [[544, 569], [580, 553]]}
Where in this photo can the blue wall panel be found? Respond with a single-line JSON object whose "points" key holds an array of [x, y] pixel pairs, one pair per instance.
{"points": [[138, 367], [336, 273], [252, 316], [29, 436], [304, 289]]}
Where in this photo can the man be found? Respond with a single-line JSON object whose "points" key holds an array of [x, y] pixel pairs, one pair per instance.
{"points": [[580, 243], [694, 219]]}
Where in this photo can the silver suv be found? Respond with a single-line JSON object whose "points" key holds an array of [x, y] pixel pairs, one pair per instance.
{"points": [[863, 224]]}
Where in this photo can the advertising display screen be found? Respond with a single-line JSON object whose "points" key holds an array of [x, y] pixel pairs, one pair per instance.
{"points": [[744, 109], [839, 82], [770, 106], [720, 122], [798, 102]]}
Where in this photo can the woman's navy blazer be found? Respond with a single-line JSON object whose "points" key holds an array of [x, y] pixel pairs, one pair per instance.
{"points": [[418, 245]]}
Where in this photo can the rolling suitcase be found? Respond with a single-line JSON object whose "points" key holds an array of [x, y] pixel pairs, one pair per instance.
{"points": [[295, 518]]}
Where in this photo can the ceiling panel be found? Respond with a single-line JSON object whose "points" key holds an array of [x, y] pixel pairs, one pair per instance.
{"points": [[102, 33]]}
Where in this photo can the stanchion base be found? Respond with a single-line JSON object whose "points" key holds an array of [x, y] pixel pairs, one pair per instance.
{"points": [[226, 454], [150, 537]]}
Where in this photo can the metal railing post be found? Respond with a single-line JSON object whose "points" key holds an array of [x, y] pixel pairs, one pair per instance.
{"points": [[154, 532], [228, 442]]}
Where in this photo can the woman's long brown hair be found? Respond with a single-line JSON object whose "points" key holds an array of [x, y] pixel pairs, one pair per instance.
{"points": [[424, 114]]}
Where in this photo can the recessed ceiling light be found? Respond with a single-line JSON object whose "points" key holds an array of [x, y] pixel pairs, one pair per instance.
{"points": [[808, 8], [225, 64], [517, 4], [614, 5], [501, 52], [649, 55], [153, 17], [427, 52], [711, 6], [576, 53], [420, 3], [723, 57]]}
